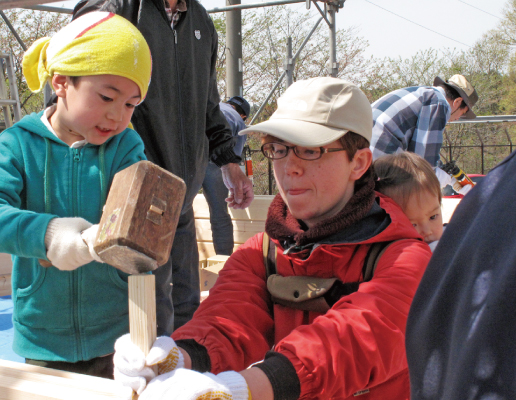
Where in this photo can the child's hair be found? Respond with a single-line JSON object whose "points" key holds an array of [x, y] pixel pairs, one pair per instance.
{"points": [[98, 43], [401, 175]]}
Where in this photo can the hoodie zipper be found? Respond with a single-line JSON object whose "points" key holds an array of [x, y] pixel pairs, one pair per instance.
{"points": [[76, 272]]}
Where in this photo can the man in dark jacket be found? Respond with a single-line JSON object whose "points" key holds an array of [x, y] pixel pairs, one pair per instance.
{"points": [[461, 330], [236, 110], [182, 128]]}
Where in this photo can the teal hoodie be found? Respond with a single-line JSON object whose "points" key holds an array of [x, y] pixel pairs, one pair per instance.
{"points": [[60, 315]]}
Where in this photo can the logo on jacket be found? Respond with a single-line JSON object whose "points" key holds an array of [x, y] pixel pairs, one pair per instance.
{"points": [[197, 34]]}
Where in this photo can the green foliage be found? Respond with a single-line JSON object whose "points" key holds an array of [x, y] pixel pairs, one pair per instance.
{"points": [[30, 25], [490, 65]]}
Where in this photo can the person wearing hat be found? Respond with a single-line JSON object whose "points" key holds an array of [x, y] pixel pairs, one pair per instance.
{"points": [[56, 168], [308, 326], [236, 111], [413, 119]]}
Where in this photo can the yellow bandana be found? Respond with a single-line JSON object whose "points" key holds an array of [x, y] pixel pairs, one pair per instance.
{"points": [[98, 43]]}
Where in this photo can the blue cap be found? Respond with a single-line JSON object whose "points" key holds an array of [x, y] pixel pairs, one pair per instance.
{"points": [[242, 106]]}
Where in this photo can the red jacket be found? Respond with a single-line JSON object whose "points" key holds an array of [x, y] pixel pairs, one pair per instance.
{"points": [[358, 344]]}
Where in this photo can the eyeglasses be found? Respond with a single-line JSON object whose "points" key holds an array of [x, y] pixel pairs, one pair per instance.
{"points": [[277, 151]]}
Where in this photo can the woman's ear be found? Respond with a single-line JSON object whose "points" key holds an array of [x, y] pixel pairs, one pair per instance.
{"points": [[60, 85], [361, 163]]}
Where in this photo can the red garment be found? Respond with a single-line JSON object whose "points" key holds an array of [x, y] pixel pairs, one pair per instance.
{"points": [[358, 344]]}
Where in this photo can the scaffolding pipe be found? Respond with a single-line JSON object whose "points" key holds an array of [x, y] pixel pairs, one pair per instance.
{"points": [[333, 69], [289, 63], [234, 75], [253, 5], [481, 149], [284, 72], [13, 31], [509, 139]]}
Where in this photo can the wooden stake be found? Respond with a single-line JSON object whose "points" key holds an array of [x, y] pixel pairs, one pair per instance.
{"points": [[142, 311]]}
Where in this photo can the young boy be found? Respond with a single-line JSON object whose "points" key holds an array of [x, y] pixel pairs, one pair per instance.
{"points": [[343, 343], [410, 181], [56, 168]]}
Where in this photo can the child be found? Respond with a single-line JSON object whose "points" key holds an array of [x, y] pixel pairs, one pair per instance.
{"points": [[410, 181], [55, 171]]}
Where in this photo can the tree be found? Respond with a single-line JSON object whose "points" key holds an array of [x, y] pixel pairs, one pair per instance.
{"points": [[264, 37], [30, 25]]}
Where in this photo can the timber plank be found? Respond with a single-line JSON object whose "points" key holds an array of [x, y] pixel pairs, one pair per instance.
{"points": [[29, 382]]}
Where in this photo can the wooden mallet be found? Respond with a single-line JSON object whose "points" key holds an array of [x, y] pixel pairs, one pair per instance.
{"points": [[135, 235]]}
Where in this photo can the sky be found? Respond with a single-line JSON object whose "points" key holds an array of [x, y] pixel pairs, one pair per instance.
{"points": [[401, 28]]}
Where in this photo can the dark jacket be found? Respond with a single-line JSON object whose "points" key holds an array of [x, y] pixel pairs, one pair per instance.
{"points": [[461, 330], [180, 121]]}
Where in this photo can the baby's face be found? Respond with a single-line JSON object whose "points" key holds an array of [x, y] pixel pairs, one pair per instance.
{"points": [[424, 212]]}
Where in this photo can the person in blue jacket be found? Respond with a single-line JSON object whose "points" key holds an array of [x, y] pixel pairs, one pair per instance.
{"points": [[236, 110], [56, 168]]}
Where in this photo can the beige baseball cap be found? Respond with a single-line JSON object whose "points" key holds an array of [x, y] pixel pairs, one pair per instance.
{"points": [[465, 90], [317, 111]]}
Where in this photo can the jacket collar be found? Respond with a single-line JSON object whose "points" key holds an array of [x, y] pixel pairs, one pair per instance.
{"points": [[282, 226]]}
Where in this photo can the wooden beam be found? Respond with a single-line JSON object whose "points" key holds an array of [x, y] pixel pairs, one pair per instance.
{"points": [[5, 285], [6, 4], [29, 382]]}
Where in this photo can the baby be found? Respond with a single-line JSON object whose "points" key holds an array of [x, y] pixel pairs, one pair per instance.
{"points": [[411, 182]]}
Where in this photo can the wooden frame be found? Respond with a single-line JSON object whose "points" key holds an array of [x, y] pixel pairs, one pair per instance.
{"points": [[29, 382]]}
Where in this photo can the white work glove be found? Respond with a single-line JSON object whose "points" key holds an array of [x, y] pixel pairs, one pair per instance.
{"points": [[65, 248], [132, 368], [462, 189], [185, 384], [89, 236], [444, 178]]}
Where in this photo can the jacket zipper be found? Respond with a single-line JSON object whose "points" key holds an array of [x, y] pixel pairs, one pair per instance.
{"points": [[75, 273], [181, 126]]}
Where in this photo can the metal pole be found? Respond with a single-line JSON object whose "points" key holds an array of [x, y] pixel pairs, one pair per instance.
{"points": [[13, 31], [289, 63], [481, 149], [284, 72], [509, 139], [445, 133], [253, 5], [333, 69], [234, 76]]}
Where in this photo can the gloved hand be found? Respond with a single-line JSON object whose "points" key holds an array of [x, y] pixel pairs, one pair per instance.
{"points": [[89, 236], [185, 384], [65, 248], [132, 368], [462, 189], [443, 177]]}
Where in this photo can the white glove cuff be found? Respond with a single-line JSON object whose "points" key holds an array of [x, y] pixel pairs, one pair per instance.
{"points": [[89, 236], [236, 383], [465, 189], [443, 177]]}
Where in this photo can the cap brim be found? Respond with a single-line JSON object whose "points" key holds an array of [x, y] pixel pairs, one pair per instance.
{"points": [[469, 115], [300, 133]]}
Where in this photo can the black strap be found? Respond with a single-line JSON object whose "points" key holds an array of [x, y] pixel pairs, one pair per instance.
{"points": [[269, 255], [373, 256]]}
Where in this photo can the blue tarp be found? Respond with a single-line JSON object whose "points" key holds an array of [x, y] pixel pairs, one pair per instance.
{"points": [[6, 330]]}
